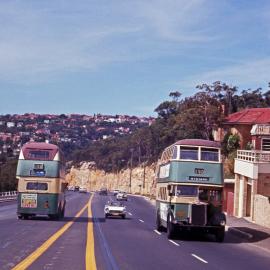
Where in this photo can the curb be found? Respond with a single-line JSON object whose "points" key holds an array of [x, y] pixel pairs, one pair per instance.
{"points": [[240, 233]]}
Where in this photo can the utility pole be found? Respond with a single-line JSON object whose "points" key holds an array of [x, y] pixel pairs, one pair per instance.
{"points": [[144, 168], [130, 172]]}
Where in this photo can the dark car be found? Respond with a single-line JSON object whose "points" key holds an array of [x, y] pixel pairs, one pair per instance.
{"points": [[103, 191], [77, 188]]}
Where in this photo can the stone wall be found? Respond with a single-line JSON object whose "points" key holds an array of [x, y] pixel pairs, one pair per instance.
{"points": [[142, 179], [264, 185], [262, 210]]}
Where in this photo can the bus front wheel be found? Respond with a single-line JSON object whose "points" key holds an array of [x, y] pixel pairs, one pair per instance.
{"points": [[220, 234], [170, 227]]}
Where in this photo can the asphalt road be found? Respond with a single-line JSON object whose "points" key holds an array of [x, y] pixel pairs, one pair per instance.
{"points": [[130, 243]]}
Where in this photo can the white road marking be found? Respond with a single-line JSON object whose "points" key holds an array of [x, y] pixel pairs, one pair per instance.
{"points": [[174, 243], [129, 213], [199, 258], [157, 232], [141, 220], [7, 244]]}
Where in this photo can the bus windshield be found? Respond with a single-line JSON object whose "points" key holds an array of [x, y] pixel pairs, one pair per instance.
{"points": [[191, 191]]}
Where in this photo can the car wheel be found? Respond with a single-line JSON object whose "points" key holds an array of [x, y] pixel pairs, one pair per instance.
{"points": [[123, 216]]}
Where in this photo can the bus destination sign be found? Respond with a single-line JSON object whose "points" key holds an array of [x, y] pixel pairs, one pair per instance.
{"points": [[198, 178]]}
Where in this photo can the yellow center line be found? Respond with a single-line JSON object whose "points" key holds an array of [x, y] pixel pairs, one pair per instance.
{"points": [[90, 261], [39, 251]]}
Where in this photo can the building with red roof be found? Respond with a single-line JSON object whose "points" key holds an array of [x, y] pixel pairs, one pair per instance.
{"points": [[241, 123], [251, 167]]}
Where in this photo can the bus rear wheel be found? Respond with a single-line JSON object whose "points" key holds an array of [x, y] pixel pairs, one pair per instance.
{"points": [[158, 223]]}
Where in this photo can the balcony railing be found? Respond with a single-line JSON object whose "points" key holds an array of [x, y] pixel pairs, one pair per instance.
{"points": [[260, 130], [253, 156]]}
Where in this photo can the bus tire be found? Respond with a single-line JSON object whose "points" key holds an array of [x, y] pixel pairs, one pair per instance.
{"points": [[170, 227], [63, 210], [25, 216], [220, 234], [158, 222]]}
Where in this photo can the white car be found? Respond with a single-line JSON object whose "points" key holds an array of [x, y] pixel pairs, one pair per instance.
{"points": [[82, 189], [71, 188], [115, 192], [113, 208], [121, 196]]}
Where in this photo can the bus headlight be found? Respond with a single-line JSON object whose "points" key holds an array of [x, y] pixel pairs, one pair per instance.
{"points": [[222, 222]]}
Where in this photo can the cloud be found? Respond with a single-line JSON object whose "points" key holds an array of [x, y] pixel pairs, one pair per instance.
{"points": [[248, 74], [179, 21], [43, 40], [39, 39]]}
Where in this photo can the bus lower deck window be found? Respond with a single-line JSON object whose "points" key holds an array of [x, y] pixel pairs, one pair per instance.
{"points": [[187, 191], [36, 186]]}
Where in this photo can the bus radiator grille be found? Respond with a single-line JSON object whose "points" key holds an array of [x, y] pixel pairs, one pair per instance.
{"points": [[199, 214]]}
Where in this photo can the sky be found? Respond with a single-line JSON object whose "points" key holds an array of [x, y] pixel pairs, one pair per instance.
{"points": [[126, 56]]}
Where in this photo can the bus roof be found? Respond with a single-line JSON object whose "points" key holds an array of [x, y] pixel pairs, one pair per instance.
{"points": [[198, 142], [40, 145], [39, 151]]}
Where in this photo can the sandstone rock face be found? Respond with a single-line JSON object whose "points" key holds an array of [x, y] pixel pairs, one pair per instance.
{"points": [[139, 180]]}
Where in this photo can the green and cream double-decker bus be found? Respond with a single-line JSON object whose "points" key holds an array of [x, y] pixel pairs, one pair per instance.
{"points": [[189, 189], [41, 181]]}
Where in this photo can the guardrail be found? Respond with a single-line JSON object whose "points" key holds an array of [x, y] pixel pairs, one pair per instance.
{"points": [[253, 156], [8, 196]]}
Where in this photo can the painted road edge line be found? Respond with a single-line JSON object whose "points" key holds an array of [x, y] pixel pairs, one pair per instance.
{"points": [[90, 261], [199, 258], [141, 220], [159, 233], [176, 244], [24, 264]]}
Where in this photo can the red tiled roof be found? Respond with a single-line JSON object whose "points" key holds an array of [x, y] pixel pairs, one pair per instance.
{"points": [[249, 116]]}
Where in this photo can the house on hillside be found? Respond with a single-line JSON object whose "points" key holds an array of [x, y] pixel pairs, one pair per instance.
{"points": [[242, 122], [252, 167]]}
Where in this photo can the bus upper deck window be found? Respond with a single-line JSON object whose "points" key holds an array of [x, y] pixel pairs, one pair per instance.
{"points": [[209, 154], [174, 156], [38, 154], [189, 153]]}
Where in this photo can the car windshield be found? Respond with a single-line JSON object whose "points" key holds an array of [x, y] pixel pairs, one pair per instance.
{"points": [[115, 204]]}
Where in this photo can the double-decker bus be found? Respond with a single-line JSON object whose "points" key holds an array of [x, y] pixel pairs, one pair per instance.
{"points": [[41, 181], [189, 189]]}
